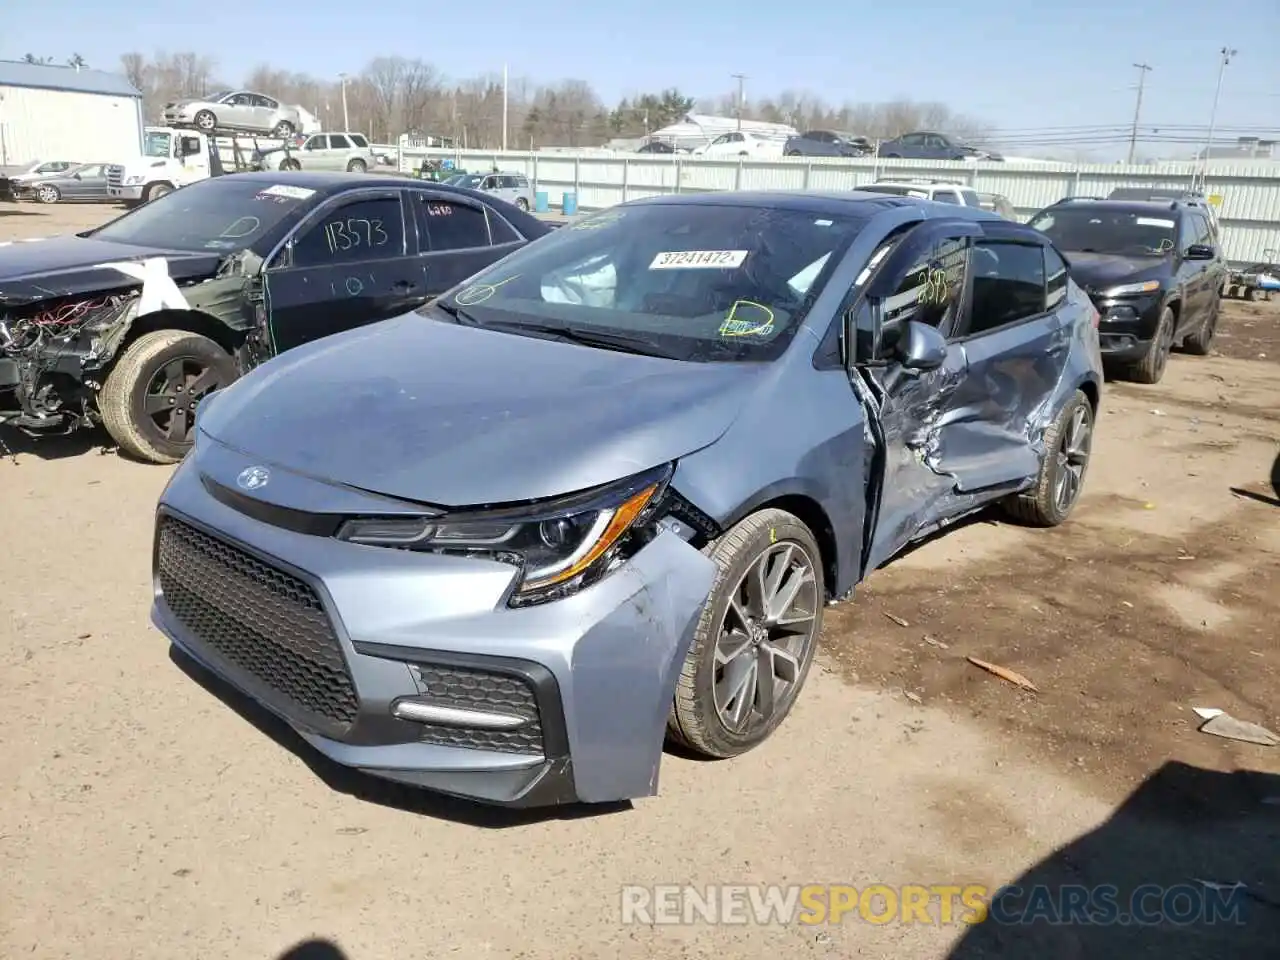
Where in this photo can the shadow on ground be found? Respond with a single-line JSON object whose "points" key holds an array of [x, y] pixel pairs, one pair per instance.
{"points": [[1183, 840], [14, 212], [54, 446], [372, 789], [314, 950]]}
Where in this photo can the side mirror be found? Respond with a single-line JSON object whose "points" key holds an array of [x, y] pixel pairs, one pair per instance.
{"points": [[76, 176], [1201, 251], [921, 347]]}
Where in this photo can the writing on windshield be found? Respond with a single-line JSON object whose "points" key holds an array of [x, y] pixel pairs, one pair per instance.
{"points": [[1109, 231]]}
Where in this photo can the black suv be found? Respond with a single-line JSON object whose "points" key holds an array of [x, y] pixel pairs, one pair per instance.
{"points": [[1154, 270]]}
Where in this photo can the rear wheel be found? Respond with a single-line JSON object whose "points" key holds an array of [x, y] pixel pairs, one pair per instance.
{"points": [[206, 121], [1068, 444], [794, 153], [357, 166], [523, 204], [148, 401], [1151, 367], [283, 130], [290, 164], [1201, 342], [756, 640], [47, 193]]}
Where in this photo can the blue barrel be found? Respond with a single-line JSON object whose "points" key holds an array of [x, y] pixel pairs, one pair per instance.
{"points": [[569, 205], [541, 202]]}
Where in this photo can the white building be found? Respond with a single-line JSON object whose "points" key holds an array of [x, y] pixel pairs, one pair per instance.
{"points": [[61, 113]]}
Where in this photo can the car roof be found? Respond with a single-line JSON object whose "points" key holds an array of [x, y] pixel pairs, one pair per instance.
{"points": [[1128, 206], [811, 201]]}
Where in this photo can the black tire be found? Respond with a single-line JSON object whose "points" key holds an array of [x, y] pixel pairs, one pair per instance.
{"points": [[695, 721], [130, 407], [155, 191], [357, 166], [205, 120], [794, 153], [1042, 505], [893, 156], [1151, 367], [283, 130], [1201, 342], [290, 164], [48, 193], [743, 153], [523, 204]]}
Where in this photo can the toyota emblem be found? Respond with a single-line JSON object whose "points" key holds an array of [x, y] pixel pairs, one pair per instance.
{"points": [[253, 478]]}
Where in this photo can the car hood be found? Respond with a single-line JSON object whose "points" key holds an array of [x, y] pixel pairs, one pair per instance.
{"points": [[57, 266], [1099, 270], [422, 410]]}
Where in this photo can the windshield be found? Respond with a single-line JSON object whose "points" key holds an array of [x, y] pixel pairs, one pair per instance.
{"points": [[156, 143], [709, 282], [215, 97], [216, 215], [468, 180], [1120, 232], [896, 190]]}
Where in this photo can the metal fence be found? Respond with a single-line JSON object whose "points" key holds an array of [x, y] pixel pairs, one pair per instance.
{"points": [[1246, 195]]}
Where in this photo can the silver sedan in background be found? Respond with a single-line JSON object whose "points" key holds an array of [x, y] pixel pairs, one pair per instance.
{"points": [[235, 110]]}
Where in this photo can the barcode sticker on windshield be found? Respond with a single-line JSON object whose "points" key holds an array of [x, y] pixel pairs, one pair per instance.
{"points": [[285, 190], [698, 259], [1154, 222]]}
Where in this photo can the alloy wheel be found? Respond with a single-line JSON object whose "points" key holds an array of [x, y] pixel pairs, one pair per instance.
{"points": [[173, 394], [1073, 457], [765, 636]]}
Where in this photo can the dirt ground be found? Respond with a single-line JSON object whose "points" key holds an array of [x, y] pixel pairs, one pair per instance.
{"points": [[141, 816]]}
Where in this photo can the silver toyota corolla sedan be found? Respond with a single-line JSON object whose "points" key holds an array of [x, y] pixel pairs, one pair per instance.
{"points": [[597, 496]]}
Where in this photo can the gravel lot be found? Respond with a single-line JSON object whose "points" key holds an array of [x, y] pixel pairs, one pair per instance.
{"points": [[141, 817]]}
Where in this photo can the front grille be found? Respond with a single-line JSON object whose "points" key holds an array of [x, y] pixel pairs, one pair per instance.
{"points": [[469, 689], [262, 620], [115, 176]]}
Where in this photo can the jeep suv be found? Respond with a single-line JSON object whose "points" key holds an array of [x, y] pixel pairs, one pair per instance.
{"points": [[1154, 270], [939, 191]]}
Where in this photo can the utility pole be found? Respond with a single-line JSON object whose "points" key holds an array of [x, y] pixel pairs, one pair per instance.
{"points": [[504, 108], [741, 78], [1143, 70], [346, 119], [1226, 54]]}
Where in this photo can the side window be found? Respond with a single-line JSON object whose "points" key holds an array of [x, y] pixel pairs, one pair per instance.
{"points": [[362, 230], [522, 183], [508, 183], [971, 198], [338, 142], [723, 138], [1203, 232], [260, 101], [932, 289], [946, 196], [318, 142], [1008, 285], [190, 146], [1056, 277], [241, 100], [913, 140], [501, 231], [359, 141], [452, 226]]}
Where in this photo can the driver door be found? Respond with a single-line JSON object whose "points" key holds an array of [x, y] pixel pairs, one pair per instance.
{"points": [[924, 280], [350, 263]]}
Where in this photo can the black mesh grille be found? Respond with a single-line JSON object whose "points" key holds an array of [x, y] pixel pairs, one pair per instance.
{"points": [[467, 689], [262, 620]]}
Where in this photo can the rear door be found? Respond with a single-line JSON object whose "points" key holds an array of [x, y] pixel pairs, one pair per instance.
{"points": [[1016, 347], [339, 153], [455, 239], [350, 262]]}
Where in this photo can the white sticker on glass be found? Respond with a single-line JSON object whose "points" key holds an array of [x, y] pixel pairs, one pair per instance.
{"points": [[1154, 222], [285, 190], [698, 259]]}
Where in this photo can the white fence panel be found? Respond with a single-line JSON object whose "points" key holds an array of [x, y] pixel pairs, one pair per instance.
{"points": [[1247, 195]]}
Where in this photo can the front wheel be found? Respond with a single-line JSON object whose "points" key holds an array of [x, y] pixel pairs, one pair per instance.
{"points": [[1068, 444], [47, 193], [155, 191], [283, 130], [290, 164], [357, 166], [149, 399], [1151, 367], [206, 121], [523, 204], [756, 640]]}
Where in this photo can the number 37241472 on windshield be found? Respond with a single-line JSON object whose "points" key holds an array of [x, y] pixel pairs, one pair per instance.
{"points": [[348, 234]]}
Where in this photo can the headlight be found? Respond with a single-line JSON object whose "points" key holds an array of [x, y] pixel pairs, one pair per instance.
{"points": [[559, 546], [1131, 289]]}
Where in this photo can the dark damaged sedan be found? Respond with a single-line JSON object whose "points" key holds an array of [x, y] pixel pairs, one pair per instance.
{"points": [[133, 323], [599, 494]]}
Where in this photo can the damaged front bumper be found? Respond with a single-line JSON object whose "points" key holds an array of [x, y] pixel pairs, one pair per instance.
{"points": [[410, 666]]}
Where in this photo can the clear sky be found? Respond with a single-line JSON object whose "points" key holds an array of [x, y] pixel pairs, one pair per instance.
{"points": [[1017, 65]]}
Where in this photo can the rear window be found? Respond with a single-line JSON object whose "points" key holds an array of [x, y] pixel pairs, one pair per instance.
{"points": [[220, 214], [358, 140]]}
